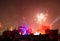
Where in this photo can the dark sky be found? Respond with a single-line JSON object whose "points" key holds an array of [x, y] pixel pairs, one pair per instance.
{"points": [[15, 12]]}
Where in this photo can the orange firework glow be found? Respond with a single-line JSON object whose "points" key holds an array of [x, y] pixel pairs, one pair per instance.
{"points": [[41, 29], [42, 25], [0, 25], [36, 33]]}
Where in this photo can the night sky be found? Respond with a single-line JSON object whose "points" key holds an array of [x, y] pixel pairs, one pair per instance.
{"points": [[14, 12]]}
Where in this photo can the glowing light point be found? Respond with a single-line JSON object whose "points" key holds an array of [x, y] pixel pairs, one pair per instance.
{"points": [[36, 33], [0, 25], [11, 28]]}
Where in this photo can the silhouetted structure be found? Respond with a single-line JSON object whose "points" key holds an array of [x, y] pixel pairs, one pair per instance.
{"points": [[53, 34]]}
